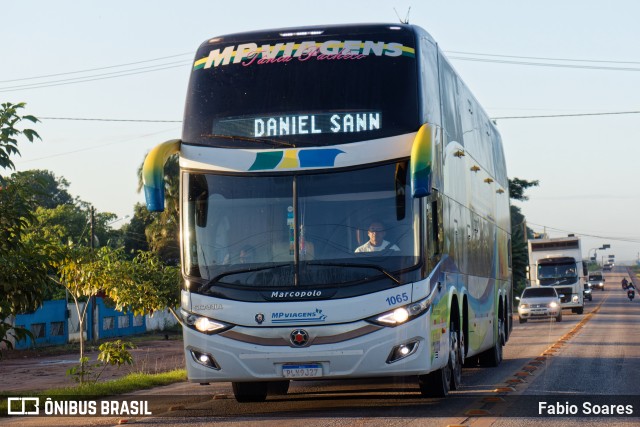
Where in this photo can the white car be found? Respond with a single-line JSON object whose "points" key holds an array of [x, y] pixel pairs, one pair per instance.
{"points": [[596, 280], [539, 303]]}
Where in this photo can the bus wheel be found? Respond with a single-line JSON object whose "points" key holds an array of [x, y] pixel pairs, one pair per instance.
{"points": [[456, 357], [250, 392], [439, 382], [493, 356], [278, 388]]}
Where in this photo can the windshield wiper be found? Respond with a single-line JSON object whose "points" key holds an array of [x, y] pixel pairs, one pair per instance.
{"points": [[348, 264], [217, 278], [271, 142]]}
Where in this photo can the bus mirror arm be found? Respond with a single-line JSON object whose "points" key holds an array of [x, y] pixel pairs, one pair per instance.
{"points": [[153, 173]]}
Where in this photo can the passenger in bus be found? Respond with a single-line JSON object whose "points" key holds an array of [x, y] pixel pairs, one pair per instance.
{"points": [[247, 255], [376, 241]]}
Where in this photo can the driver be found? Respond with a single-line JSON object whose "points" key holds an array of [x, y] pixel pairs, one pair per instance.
{"points": [[376, 241]]}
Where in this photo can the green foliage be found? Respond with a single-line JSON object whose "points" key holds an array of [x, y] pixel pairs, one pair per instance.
{"points": [[519, 234], [518, 186], [9, 132], [24, 262], [112, 353], [142, 285], [47, 190]]}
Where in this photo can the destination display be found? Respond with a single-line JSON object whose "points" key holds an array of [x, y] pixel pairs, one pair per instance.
{"points": [[299, 124]]}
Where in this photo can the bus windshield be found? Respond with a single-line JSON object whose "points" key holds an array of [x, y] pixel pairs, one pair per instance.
{"points": [[307, 90], [300, 230]]}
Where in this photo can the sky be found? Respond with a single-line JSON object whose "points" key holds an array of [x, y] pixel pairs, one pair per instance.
{"points": [[576, 60]]}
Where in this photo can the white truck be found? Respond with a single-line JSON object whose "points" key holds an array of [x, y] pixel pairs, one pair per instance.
{"points": [[558, 262]]}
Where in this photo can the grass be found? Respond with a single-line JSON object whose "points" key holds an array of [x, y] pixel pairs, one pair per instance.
{"points": [[126, 384]]}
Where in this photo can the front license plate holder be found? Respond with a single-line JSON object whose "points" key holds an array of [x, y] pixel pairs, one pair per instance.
{"points": [[303, 370]]}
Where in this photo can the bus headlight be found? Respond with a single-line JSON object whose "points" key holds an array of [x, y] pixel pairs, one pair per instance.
{"points": [[401, 315], [574, 298], [203, 324]]}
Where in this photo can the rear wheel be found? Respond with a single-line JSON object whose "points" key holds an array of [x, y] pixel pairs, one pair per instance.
{"points": [[493, 356], [250, 392]]}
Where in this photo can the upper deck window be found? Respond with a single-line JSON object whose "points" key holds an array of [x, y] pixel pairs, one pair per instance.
{"points": [[317, 89]]}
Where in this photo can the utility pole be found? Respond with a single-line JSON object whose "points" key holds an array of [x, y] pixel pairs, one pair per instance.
{"points": [[94, 308]]}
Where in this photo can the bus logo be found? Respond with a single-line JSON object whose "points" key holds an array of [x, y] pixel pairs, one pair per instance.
{"points": [[299, 337]]}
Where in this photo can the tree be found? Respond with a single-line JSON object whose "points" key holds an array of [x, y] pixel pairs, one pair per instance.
{"points": [[519, 233], [23, 261], [48, 190], [141, 286], [9, 133]]}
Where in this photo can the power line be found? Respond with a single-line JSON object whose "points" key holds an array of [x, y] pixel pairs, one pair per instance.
{"points": [[104, 76], [543, 58], [544, 64], [619, 239], [95, 69], [565, 115], [110, 120]]}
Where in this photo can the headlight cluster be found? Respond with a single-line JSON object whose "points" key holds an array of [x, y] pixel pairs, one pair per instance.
{"points": [[524, 305], [553, 304], [401, 315], [203, 324]]}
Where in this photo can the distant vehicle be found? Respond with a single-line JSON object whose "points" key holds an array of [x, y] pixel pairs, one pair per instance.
{"points": [[607, 267], [539, 303], [596, 280], [557, 263], [586, 293]]}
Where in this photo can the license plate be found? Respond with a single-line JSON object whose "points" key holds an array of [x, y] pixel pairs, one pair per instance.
{"points": [[539, 314], [309, 370]]}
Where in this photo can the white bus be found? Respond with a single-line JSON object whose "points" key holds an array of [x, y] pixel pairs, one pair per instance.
{"points": [[344, 212]]}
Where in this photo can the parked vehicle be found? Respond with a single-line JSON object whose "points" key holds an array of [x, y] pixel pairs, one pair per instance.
{"points": [[596, 280], [586, 293], [539, 303]]}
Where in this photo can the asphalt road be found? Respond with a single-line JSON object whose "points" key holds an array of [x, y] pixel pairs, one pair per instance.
{"points": [[592, 358]]}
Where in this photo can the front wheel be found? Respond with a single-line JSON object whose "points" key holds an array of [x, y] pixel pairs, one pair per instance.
{"points": [[438, 383], [250, 392], [559, 317]]}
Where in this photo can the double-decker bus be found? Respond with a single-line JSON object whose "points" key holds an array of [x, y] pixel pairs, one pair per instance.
{"points": [[344, 212]]}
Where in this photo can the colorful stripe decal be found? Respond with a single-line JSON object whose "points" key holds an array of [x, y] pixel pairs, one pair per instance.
{"points": [[295, 158]]}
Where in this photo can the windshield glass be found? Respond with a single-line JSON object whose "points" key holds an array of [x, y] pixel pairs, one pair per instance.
{"points": [[557, 273], [538, 292], [324, 229], [322, 89]]}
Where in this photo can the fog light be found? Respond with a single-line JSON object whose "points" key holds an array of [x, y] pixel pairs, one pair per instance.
{"points": [[204, 359], [403, 350]]}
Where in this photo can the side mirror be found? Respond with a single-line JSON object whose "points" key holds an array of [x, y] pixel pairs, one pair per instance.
{"points": [[517, 298], [561, 296]]}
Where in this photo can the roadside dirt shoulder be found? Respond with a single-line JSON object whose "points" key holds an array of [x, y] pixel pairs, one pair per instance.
{"points": [[33, 372]]}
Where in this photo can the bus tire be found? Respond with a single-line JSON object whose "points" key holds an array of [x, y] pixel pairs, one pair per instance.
{"points": [[492, 357], [456, 357], [250, 392], [278, 388], [438, 383]]}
